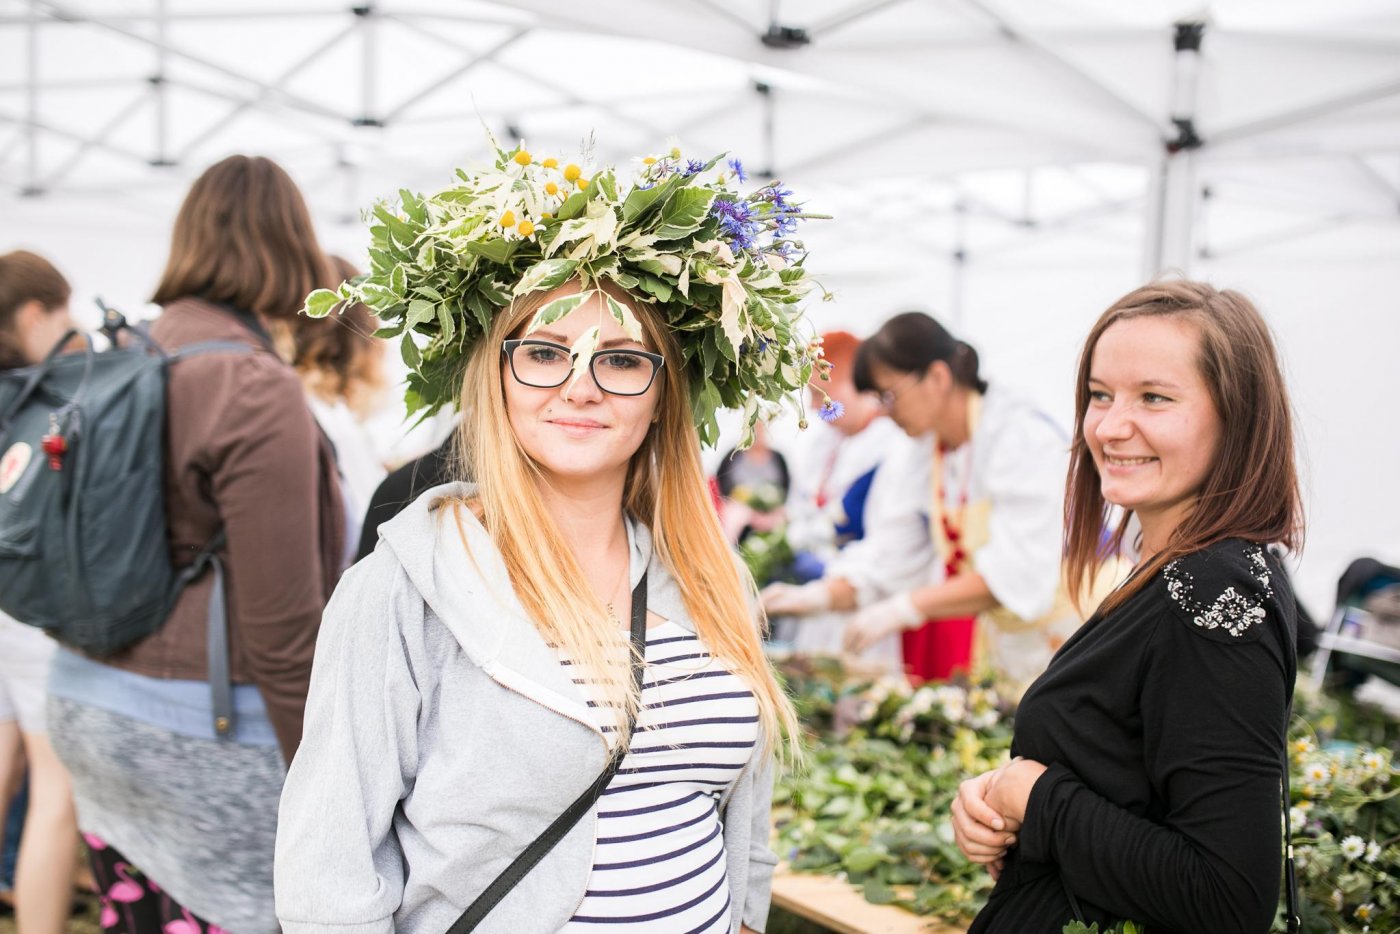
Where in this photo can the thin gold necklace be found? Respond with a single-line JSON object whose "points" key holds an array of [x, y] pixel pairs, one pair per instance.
{"points": [[626, 565]]}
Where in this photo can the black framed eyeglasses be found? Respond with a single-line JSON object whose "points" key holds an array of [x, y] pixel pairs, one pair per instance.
{"points": [[545, 365]]}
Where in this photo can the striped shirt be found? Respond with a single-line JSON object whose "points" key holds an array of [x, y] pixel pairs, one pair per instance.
{"points": [[659, 863]]}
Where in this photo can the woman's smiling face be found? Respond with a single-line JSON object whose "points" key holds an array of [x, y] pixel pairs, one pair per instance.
{"points": [[576, 432], [1151, 425]]}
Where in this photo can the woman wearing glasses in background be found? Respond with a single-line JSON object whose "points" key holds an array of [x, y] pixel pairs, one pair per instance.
{"points": [[966, 526], [466, 684]]}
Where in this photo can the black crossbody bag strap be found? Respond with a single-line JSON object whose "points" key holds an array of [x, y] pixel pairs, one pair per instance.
{"points": [[532, 854]]}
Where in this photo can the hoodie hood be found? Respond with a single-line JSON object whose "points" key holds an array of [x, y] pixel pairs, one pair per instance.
{"points": [[449, 557]]}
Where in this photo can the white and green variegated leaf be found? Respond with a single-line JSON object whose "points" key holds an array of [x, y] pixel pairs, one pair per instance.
{"points": [[398, 281], [733, 299], [545, 275], [420, 311], [320, 303], [684, 213], [378, 297], [447, 323], [624, 317], [583, 355], [556, 309]]}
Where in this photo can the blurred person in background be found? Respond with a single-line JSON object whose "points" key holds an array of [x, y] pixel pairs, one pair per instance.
{"points": [[836, 471], [753, 485], [341, 365], [34, 317], [180, 820], [971, 530]]}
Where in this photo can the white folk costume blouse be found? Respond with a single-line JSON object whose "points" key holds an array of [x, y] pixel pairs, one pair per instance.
{"points": [[1004, 492], [830, 466]]}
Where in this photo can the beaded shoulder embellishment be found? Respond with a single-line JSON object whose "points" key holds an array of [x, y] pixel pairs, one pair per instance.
{"points": [[1231, 610]]}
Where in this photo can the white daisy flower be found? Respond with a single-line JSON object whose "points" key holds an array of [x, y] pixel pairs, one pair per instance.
{"points": [[1353, 846], [1373, 852], [1317, 773], [1373, 761], [984, 720], [1297, 819]]}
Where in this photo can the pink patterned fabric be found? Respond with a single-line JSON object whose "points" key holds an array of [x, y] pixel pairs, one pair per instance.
{"points": [[133, 904]]}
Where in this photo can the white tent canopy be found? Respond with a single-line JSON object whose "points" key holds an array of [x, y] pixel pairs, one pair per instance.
{"points": [[1012, 166]]}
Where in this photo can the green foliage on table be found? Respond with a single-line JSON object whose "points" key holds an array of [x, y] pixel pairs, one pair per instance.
{"points": [[1345, 825], [768, 556], [874, 801], [886, 762]]}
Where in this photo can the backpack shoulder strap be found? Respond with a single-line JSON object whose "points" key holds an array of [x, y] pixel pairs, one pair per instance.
{"points": [[207, 347]]}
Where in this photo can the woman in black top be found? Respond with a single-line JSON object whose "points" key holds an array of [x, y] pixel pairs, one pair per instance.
{"points": [[1150, 753]]}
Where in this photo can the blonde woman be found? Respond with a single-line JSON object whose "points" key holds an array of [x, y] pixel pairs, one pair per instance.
{"points": [[466, 689]]}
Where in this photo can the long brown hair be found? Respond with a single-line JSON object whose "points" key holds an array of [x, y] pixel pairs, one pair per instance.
{"points": [[666, 489], [244, 237], [26, 277], [1251, 488], [339, 357]]}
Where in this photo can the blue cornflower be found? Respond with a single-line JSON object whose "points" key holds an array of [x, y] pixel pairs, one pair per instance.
{"points": [[738, 169], [831, 410], [737, 222], [693, 167], [784, 213]]}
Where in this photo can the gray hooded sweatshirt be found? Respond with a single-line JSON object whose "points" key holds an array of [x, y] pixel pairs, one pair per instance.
{"points": [[442, 736]]}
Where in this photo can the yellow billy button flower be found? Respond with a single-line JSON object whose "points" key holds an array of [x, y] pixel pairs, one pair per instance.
{"points": [[582, 184], [551, 189], [550, 163], [523, 158], [508, 219], [525, 229], [572, 172], [675, 152]]}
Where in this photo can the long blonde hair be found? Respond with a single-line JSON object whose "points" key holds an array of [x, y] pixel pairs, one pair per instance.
{"points": [[665, 489]]}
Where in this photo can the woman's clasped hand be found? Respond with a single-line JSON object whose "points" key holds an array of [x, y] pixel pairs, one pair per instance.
{"points": [[989, 809]]}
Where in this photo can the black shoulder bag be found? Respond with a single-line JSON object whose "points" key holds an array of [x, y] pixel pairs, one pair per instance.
{"points": [[520, 866]]}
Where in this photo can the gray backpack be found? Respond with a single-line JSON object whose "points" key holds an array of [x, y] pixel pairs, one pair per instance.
{"points": [[84, 552]]}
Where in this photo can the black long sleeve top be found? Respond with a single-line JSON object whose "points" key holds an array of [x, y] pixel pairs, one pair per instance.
{"points": [[1163, 726]]}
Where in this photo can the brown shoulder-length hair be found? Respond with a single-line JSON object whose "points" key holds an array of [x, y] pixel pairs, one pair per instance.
{"points": [[244, 237], [338, 357], [25, 277], [1251, 489]]}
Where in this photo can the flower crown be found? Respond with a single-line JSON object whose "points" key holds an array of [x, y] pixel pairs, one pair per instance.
{"points": [[721, 269]]}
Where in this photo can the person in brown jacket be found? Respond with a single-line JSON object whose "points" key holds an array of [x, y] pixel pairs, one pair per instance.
{"points": [[180, 817]]}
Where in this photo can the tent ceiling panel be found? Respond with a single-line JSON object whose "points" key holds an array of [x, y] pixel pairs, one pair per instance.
{"points": [[923, 93]]}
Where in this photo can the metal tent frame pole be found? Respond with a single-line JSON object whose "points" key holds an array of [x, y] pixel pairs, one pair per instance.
{"points": [[1172, 205]]}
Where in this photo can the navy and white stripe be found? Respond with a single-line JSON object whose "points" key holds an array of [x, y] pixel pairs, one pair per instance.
{"points": [[659, 863]]}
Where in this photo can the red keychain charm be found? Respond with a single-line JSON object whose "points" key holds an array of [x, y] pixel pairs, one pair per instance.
{"points": [[54, 445]]}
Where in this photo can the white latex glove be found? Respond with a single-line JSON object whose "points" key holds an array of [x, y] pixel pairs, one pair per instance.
{"points": [[796, 600], [870, 625]]}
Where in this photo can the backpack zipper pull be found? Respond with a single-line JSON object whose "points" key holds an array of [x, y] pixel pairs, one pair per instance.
{"points": [[54, 444]]}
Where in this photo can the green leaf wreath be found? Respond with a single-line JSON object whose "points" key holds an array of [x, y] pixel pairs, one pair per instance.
{"points": [[722, 268]]}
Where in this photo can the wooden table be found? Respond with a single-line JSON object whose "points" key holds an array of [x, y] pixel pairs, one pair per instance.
{"points": [[836, 904]]}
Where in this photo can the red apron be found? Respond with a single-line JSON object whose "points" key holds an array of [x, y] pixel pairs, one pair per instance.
{"points": [[939, 648]]}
